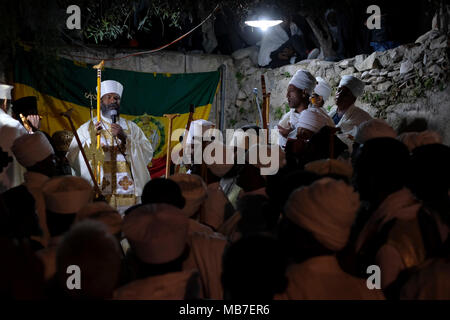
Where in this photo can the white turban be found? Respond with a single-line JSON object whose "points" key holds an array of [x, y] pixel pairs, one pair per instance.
{"points": [[111, 86], [67, 194], [310, 119], [374, 128], [30, 149], [416, 139], [303, 80], [355, 85], [322, 89], [193, 189], [327, 209], [5, 91], [197, 129], [102, 212], [330, 166], [157, 232]]}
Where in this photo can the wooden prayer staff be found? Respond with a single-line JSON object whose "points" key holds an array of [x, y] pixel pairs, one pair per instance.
{"points": [[169, 135], [99, 68], [188, 126], [265, 107], [68, 114]]}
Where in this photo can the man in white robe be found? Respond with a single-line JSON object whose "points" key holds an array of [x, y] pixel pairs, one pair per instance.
{"points": [[127, 151], [346, 115], [299, 90], [321, 94], [10, 129]]}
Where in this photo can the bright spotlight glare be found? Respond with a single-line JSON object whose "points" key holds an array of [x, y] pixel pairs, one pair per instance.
{"points": [[263, 24]]}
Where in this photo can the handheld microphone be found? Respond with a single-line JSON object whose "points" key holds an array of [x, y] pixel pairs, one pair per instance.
{"points": [[113, 114]]}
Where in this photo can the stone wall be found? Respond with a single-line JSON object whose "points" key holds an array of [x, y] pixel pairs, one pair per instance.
{"points": [[403, 85]]}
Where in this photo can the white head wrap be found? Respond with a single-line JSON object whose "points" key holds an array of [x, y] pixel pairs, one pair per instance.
{"points": [[197, 129], [102, 212], [67, 194], [310, 119], [29, 149], [330, 166], [111, 86], [327, 209], [5, 91], [322, 89], [374, 128], [193, 189], [416, 139], [157, 232], [355, 85], [304, 80]]}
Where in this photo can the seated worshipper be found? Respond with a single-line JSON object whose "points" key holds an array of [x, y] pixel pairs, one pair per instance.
{"points": [[10, 129], [261, 161], [61, 141], [90, 246], [281, 185], [332, 168], [161, 190], [298, 92], [34, 152], [217, 208], [158, 234], [398, 233], [416, 139], [194, 191], [102, 212], [429, 281], [320, 95], [19, 220], [243, 138], [26, 109], [196, 140], [308, 123], [257, 216], [431, 181], [64, 197], [317, 224], [254, 267], [346, 115], [370, 129], [281, 45], [126, 151], [21, 272]]}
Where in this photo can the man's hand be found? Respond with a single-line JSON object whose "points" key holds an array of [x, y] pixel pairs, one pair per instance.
{"points": [[117, 131], [98, 127], [283, 131], [34, 121]]}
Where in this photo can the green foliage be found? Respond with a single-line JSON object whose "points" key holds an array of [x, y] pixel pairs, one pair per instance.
{"points": [[286, 107], [287, 75], [125, 18]]}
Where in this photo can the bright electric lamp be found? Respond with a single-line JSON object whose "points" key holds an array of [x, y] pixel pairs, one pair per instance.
{"points": [[263, 24]]}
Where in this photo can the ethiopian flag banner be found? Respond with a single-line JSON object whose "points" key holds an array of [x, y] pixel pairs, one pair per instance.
{"points": [[146, 97]]}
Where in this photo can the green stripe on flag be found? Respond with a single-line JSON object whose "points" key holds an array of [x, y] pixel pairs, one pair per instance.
{"points": [[151, 93]]}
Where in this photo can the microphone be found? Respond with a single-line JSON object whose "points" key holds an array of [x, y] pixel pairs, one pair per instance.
{"points": [[113, 114]]}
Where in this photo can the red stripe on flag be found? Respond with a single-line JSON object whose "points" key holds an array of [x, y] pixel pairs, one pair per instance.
{"points": [[158, 167]]}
